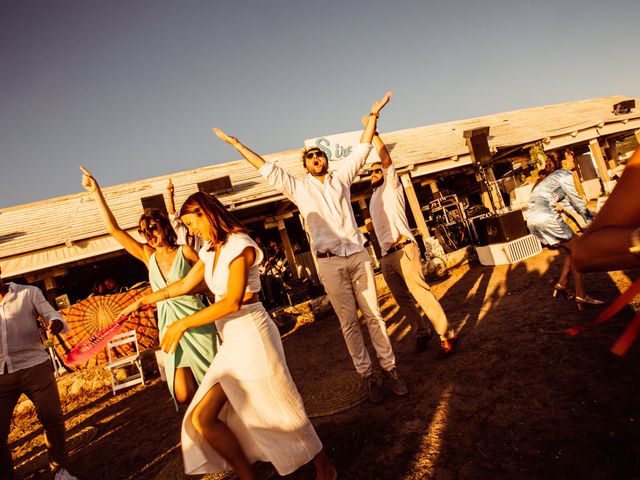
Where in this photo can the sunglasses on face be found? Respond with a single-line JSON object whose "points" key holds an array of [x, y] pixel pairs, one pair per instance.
{"points": [[376, 170], [148, 232], [314, 154]]}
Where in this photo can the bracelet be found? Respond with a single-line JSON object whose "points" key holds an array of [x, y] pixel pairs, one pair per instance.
{"points": [[376, 134], [372, 114]]}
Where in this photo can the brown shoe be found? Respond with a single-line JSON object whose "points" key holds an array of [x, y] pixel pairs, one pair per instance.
{"points": [[373, 388], [447, 347]]}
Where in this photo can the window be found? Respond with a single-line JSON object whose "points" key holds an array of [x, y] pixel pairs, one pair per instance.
{"points": [[154, 201], [216, 186]]}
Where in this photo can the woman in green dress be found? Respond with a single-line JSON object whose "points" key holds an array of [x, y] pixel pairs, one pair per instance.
{"points": [[167, 263]]}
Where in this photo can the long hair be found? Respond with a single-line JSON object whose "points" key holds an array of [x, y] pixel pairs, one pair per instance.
{"points": [[553, 163], [222, 223], [162, 221]]}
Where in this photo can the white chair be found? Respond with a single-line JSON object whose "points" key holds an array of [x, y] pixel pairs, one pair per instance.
{"points": [[132, 360]]}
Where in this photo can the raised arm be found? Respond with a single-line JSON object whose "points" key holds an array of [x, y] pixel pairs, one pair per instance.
{"points": [[381, 148], [130, 244], [374, 113], [236, 287], [252, 157], [171, 205]]}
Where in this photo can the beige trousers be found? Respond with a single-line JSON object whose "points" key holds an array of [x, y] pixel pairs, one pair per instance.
{"points": [[402, 271], [350, 283]]}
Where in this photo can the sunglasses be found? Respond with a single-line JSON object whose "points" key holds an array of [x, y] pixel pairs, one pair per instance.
{"points": [[314, 154], [148, 232], [376, 170]]}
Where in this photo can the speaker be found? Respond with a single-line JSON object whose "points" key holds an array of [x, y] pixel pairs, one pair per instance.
{"points": [[502, 228], [478, 143]]}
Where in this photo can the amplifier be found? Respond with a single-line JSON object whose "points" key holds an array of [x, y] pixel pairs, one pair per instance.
{"points": [[501, 228]]}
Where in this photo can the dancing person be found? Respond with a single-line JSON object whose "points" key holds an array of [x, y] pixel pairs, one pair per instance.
{"points": [[184, 238], [25, 367], [400, 261], [344, 265], [612, 241], [555, 186], [167, 262], [247, 407]]}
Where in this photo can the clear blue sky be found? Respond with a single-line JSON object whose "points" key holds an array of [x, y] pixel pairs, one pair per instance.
{"points": [[131, 89]]}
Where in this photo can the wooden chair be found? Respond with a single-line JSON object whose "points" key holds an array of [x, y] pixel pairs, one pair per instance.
{"points": [[131, 360]]}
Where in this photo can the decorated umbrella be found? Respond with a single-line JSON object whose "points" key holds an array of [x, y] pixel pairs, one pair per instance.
{"points": [[93, 314]]}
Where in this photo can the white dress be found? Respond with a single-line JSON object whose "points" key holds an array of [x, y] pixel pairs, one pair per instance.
{"points": [[264, 410]]}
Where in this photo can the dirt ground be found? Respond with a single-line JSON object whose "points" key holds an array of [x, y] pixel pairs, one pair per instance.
{"points": [[518, 399]]}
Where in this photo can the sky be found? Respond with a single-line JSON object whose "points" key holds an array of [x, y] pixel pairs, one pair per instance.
{"points": [[131, 89]]}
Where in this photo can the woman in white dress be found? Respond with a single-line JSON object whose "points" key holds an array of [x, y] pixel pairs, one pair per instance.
{"points": [[247, 407]]}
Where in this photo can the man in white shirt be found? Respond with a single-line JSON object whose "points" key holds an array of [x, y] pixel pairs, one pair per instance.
{"points": [[344, 266], [25, 367], [400, 262]]}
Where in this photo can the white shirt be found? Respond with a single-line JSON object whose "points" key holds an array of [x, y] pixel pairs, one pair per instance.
{"points": [[183, 232], [218, 280], [387, 209], [325, 207], [20, 345]]}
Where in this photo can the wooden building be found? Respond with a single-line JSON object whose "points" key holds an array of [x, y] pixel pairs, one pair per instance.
{"points": [[61, 244]]}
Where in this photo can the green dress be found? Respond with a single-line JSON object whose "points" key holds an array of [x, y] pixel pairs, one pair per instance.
{"points": [[197, 346]]}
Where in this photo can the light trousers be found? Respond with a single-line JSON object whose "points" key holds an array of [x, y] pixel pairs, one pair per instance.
{"points": [[402, 270], [39, 384], [350, 283]]}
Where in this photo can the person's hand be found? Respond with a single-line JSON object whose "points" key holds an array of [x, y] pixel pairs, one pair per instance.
{"points": [[365, 120], [132, 307], [170, 187], [379, 104], [559, 208], [54, 327], [233, 141], [172, 336], [88, 182]]}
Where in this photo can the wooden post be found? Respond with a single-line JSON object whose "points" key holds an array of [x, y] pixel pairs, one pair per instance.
{"points": [[596, 154], [288, 251], [414, 205]]}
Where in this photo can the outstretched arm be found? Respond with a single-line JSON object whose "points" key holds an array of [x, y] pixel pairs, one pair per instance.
{"points": [[129, 243], [252, 157], [230, 303], [182, 287], [370, 128]]}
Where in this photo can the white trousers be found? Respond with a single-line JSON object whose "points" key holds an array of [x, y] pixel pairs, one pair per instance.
{"points": [[350, 283]]}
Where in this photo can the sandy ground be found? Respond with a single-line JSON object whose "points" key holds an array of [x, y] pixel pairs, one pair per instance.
{"points": [[519, 399]]}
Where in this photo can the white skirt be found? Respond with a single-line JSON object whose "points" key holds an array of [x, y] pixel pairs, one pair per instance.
{"points": [[264, 410]]}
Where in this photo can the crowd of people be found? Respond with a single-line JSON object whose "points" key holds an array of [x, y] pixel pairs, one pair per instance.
{"points": [[225, 360]]}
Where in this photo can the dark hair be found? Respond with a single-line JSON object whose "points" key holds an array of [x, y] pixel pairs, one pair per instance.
{"points": [[162, 221], [552, 163], [311, 149], [222, 223]]}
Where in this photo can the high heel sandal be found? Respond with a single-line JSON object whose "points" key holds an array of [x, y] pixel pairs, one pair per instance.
{"points": [[564, 291], [587, 300]]}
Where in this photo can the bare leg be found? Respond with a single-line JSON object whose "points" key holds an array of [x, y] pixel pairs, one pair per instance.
{"points": [[184, 385], [324, 468], [564, 273], [218, 434]]}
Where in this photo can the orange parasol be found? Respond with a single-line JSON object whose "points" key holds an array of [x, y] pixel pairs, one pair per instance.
{"points": [[92, 314]]}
